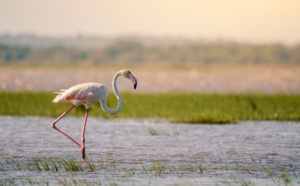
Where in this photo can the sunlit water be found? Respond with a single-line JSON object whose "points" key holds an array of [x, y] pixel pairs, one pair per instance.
{"points": [[148, 152]]}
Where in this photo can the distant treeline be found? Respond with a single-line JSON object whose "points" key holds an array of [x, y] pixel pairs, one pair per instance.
{"points": [[134, 52]]}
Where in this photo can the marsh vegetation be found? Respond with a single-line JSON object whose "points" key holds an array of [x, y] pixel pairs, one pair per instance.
{"points": [[188, 107]]}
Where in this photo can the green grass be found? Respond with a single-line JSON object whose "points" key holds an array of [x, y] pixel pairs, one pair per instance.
{"points": [[187, 107]]}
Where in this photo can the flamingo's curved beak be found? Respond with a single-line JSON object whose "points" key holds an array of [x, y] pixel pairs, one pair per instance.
{"points": [[133, 79]]}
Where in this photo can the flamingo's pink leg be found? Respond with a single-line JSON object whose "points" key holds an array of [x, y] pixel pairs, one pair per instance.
{"points": [[82, 135], [54, 127]]}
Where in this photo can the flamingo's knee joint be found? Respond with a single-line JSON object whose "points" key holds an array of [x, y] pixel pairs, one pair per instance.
{"points": [[53, 125]]}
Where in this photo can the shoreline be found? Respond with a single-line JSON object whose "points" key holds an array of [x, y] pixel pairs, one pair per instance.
{"points": [[244, 79]]}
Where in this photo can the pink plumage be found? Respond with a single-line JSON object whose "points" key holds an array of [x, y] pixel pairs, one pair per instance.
{"points": [[77, 92]]}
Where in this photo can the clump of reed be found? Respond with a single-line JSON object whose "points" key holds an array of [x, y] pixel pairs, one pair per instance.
{"points": [[242, 172]]}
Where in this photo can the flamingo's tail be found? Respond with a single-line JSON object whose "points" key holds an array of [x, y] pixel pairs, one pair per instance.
{"points": [[60, 97]]}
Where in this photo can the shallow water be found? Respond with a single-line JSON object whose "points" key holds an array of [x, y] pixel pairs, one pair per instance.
{"points": [[148, 152]]}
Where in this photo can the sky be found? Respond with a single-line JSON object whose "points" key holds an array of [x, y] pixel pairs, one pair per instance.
{"points": [[255, 21]]}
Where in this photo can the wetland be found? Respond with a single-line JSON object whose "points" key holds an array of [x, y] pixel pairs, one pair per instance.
{"points": [[149, 152]]}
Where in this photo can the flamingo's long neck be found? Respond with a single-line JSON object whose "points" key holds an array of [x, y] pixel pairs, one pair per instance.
{"points": [[103, 102]]}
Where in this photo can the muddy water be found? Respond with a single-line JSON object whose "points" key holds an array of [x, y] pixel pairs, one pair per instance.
{"points": [[147, 152]]}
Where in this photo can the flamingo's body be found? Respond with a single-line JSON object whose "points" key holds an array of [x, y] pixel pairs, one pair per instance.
{"points": [[87, 94], [83, 94]]}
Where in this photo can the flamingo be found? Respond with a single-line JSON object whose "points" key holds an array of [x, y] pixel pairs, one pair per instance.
{"points": [[87, 94]]}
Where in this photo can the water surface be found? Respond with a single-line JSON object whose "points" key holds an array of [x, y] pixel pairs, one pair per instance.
{"points": [[148, 152]]}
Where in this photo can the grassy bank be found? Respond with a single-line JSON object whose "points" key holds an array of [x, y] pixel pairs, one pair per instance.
{"points": [[190, 108]]}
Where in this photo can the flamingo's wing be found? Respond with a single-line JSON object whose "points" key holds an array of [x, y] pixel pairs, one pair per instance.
{"points": [[77, 92]]}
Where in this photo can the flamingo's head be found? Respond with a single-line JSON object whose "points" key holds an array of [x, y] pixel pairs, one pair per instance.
{"points": [[129, 75]]}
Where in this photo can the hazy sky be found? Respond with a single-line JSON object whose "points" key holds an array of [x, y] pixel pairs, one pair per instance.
{"points": [[240, 20]]}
